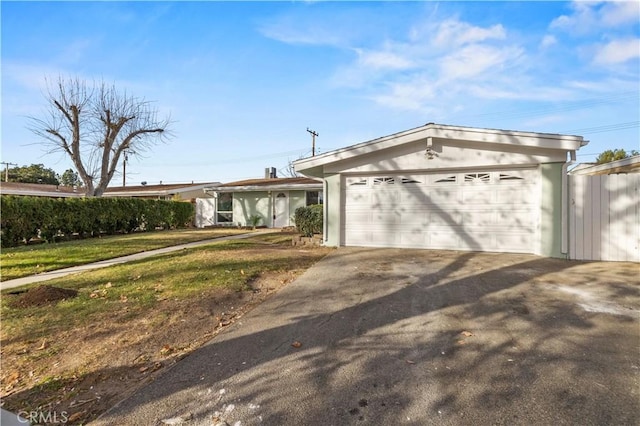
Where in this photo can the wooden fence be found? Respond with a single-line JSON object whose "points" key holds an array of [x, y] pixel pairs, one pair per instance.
{"points": [[604, 217]]}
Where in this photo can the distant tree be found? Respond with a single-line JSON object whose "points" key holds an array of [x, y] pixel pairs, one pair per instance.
{"points": [[94, 124], [614, 155], [70, 178], [35, 173]]}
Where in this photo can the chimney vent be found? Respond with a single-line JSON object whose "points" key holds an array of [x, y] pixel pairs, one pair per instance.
{"points": [[270, 173]]}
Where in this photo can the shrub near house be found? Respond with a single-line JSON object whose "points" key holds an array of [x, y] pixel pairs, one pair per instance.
{"points": [[309, 220]]}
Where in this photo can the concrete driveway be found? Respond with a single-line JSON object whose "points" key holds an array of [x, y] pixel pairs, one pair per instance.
{"points": [[418, 337]]}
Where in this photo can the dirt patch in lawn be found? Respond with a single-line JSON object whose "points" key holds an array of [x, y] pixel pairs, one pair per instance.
{"points": [[82, 372], [42, 295]]}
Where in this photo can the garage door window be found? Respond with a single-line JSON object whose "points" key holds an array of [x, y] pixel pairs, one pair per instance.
{"points": [[448, 179], [509, 177], [477, 177], [409, 180], [358, 182], [383, 181]]}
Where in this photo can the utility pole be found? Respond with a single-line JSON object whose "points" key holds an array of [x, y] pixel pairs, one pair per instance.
{"points": [[6, 170], [313, 141], [124, 170]]}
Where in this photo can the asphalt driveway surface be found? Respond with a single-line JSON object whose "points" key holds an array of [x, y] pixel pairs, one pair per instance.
{"points": [[418, 337]]}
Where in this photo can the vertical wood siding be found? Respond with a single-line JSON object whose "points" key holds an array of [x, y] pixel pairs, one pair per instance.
{"points": [[604, 217]]}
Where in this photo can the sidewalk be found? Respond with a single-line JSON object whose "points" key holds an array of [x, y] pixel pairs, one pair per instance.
{"points": [[45, 276]]}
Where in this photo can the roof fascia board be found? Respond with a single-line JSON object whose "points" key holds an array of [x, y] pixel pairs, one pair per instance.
{"points": [[161, 191], [265, 188], [443, 132]]}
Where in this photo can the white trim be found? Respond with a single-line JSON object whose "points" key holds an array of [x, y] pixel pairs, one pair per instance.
{"points": [[266, 188], [449, 133]]}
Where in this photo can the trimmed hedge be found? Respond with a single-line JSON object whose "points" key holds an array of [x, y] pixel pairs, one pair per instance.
{"points": [[309, 220], [24, 218]]}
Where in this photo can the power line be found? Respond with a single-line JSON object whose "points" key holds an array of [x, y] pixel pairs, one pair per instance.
{"points": [[605, 128], [564, 107]]}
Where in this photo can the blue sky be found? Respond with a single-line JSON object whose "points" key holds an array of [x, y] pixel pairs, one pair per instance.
{"points": [[244, 80]]}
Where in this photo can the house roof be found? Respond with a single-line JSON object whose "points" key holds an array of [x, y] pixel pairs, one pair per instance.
{"points": [[39, 190], [432, 131], [269, 184], [626, 165], [155, 190]]}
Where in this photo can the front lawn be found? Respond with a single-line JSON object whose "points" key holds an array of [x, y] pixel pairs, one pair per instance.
{"points": [[81, 355], [17, 262]]}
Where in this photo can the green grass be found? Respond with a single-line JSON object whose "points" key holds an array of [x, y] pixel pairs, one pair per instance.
{"points": [[133, 289], [28, 260]]}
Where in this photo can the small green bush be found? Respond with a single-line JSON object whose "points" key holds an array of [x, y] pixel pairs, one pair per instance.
{"points": [[308, 220]]}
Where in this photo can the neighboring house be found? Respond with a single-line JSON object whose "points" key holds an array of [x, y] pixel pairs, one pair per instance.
{"points": [[39, 190], [448, 187], [174, 191], [273, 199], [604, 211], [179, 191], [626, 165]]}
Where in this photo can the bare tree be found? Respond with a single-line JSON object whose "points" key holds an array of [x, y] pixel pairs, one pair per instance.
{"points": [[94, 124]]}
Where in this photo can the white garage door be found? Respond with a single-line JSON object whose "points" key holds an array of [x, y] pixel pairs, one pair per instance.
{"points": [[484, 211]]}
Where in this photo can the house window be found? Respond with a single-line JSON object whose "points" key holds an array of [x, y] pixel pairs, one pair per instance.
{"points": [[225, 207], [314, 197]]}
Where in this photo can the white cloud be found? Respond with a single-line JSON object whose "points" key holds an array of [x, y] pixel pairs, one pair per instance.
{"points": [[384, 59], [453, 33], [617, 51], [620, 12], [548, 41], [475, 60], [589, 17]]}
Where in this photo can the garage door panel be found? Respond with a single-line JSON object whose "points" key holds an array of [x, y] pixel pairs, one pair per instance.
{"points": [[514, 218], [478, 218], [444, 217], [478, 196], [513, 195], [492, 211], [515, 242], [443, 239], [413, 238], [358, 198]]}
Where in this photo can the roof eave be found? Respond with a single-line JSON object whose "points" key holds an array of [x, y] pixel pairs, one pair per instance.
{"points": [[265, 188], [445, 132]]}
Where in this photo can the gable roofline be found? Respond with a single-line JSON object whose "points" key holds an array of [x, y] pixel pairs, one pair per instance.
{"points": [[446, 132], [626, 165]]}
